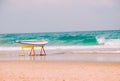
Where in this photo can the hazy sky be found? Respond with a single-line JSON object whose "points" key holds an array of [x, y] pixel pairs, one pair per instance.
{"points": [[58, 15]]}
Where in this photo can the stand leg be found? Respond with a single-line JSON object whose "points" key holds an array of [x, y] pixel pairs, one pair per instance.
{"points": [[32, 51], [42, 52]]}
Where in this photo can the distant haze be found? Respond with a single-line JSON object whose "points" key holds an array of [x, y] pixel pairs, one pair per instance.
{"points": [[18, 16]]}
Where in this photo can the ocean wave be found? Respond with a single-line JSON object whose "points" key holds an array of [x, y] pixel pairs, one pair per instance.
{"points": [[84, 38], [109, 42]]}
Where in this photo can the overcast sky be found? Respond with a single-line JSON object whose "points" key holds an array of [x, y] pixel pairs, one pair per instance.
{"points": [[58, 15]]}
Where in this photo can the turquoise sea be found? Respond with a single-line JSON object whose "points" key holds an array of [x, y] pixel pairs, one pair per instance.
{"points": [[78, 38], [60, 43]]}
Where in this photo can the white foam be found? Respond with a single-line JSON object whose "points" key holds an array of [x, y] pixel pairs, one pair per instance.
{"points": [[95, 47], [101, 40], [9, 48], [109, 42], [82, 47]]}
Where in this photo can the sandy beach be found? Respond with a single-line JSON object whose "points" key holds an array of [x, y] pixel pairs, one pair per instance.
{"points": [[61, 65], [26, 70]]}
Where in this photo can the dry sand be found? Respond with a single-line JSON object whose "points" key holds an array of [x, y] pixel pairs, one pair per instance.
{"points": [[59, 71]]}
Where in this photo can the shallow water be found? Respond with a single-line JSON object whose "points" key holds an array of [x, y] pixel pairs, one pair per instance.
{"points": [[79, 57]]}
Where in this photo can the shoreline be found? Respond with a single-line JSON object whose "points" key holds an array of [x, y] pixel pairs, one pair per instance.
{"points": [[64, 57], [65, 47], [83, 53]]}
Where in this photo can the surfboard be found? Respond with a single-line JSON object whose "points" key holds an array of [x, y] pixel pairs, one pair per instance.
{"points": [[32, 42]]}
